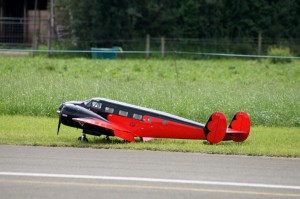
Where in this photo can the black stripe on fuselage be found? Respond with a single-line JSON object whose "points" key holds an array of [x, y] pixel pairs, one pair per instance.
{"points": [[133, 109]]}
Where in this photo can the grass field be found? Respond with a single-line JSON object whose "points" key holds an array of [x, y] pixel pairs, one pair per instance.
{"points": [[41, 131], [193, 89]]}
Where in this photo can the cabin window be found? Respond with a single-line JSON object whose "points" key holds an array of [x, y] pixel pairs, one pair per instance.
{"points": [[137, 116], [109, 110], [123, 113]]}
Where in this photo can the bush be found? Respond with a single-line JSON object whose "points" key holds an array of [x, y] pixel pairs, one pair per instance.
{"points": [[280, 51]]}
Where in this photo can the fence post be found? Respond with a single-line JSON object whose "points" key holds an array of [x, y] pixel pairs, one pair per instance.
{"points": [[162, 45], [50, 27], [35, 39], [49, 39], [259, 43], [147, 46]]}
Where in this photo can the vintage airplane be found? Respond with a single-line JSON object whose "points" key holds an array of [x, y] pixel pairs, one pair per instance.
{"points": [[100, 116]]}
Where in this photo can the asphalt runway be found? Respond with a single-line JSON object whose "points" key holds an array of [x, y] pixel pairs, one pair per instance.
{"points": [[47, 172]]}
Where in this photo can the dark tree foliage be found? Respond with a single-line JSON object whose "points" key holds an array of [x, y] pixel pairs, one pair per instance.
{"points": [[95, 21]]}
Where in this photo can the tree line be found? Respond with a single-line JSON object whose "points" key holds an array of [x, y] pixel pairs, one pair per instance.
{"points": [[95, 20]]}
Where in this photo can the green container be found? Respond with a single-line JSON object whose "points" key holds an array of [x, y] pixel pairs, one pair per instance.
{"points": [[106, 53]]}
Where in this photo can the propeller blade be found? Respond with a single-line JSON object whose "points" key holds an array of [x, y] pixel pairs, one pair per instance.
{"points": [[59, 111], [59, 122]]}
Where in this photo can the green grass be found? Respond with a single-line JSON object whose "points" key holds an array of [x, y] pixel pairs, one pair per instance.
{"points": [[33, 88], [270, 93], [267, 141]]}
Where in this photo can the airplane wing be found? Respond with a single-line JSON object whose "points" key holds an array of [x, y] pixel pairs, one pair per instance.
{"points": [[118, 131], [125, 135]]}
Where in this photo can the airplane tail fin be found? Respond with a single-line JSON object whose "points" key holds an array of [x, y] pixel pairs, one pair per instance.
{"points": [[215, 128], [239, 127]]}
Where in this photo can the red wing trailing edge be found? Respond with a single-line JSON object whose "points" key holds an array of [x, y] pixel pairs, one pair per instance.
{"points": [[99, 116], [125, 135]]}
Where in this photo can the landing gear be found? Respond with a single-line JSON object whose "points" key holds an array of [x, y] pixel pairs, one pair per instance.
{"points": [[83, 138]]}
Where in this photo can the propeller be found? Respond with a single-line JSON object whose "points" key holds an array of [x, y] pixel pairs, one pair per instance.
{"points": [[59, 122], [61, 106], [59, 118]]}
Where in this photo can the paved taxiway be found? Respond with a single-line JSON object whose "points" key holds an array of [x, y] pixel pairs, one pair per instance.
{"points": [[46, 172]]}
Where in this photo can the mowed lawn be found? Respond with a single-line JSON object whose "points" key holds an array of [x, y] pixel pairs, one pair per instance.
{"points": [[33, 88], [41, 131]]}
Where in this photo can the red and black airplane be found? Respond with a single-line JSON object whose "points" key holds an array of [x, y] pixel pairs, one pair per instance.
{"points": [[99, 116]]}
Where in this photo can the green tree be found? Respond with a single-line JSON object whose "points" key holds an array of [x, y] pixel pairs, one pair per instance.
{"points": [[105, 22], [201, 18]]}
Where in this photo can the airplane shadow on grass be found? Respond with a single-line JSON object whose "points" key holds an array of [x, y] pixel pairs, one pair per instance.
{"points": [[115, 141]]}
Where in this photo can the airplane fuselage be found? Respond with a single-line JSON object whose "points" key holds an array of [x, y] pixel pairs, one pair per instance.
{"points": [[100, 116]]}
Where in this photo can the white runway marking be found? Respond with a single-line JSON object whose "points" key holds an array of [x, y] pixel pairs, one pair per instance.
{"points": [[159, 180]]}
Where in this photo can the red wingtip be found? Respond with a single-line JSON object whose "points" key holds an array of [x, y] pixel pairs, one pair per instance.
{"points": [[216, 127]]}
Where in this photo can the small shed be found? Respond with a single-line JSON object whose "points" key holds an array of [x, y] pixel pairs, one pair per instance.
{"points": [[20, 20]]}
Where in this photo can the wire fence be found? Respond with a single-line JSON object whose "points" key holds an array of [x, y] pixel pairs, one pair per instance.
{"points": [[36, 36], [21, 31], [105, 53]]}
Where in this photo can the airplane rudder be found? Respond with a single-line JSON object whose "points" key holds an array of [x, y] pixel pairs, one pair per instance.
{"points": [[215, 128], [240, 122]]}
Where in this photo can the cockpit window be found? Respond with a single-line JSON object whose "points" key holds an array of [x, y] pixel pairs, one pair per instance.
{"points": [[87, 103], [96, 105]]}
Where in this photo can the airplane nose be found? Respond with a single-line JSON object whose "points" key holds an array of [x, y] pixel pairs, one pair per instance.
{"points": [[60, 107]]}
